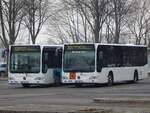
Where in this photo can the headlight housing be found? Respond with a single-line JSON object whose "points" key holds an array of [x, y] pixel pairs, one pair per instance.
{"points": [[11, 78]]}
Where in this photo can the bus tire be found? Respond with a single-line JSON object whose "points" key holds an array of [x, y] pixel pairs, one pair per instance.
{"points": [[110, 79], [2, 73], [26, 85], [135, 78]]}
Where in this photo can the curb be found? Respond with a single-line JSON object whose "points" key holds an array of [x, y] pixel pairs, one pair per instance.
{"points": [[78, 111], [92, 110], [3, 79], [122, 100], [11, 111]]}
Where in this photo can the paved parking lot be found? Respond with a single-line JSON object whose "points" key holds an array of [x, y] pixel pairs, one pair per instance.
{"points": [[11, 96]]}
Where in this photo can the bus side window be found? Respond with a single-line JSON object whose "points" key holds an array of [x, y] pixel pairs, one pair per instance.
{"points": [[58, 57], [45, 62], [99, 61]]}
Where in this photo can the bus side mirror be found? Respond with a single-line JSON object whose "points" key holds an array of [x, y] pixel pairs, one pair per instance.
{"points": [[5, 53], [57, 51]]}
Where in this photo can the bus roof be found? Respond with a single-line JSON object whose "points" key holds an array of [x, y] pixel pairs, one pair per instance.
{"points": [[38, 45], [61, 45], [130, 45]]}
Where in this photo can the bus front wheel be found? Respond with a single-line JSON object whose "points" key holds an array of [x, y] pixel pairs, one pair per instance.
{"points": [[2, 73], [110, 79], [135, 78]]}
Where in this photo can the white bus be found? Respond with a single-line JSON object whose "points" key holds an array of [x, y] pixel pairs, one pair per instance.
{"points": [[103, 63], [35, 65]]}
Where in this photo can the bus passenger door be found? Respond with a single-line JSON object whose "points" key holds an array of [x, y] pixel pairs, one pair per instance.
{"points": [[50, 64]]}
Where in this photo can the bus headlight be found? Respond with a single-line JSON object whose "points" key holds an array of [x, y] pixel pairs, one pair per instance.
{"points": [[64, 77], [11, 78]]}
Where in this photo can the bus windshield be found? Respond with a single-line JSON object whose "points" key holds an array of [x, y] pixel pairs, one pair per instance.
{"points": [[25, 59], [79, 58]]}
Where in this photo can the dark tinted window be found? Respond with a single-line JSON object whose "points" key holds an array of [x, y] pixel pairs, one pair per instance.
{"points": [[51, 58], [120, 56], [3, 65], [109, 56]]}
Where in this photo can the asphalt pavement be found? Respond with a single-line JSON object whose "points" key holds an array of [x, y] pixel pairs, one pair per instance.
{"points": [[120, 98]]}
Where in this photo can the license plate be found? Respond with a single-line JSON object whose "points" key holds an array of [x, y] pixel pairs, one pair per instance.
{"points": [[72, 75], [78, 81], [24, 82]]}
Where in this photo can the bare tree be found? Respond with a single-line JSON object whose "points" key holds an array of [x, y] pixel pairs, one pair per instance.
{"points": [[36, 15], [11, 18], [3, 36], [103, 20], [68, 23], [58, 24], [120, 10], [139, 22], [97, 10], [76, 21], [109, 24]]}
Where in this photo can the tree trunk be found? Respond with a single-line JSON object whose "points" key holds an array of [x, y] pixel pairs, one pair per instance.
{"points": [[96, 35], [33, 39], [2, 26], [117, 34], [97, 22], [149, 42]]}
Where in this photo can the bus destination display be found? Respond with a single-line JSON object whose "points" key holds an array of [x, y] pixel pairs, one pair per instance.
{"points": [[25, 48], [80, 47]]}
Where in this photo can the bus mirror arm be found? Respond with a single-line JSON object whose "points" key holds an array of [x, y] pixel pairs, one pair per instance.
{"points": [[57, 51]]}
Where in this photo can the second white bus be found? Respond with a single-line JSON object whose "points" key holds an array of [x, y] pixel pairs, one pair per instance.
{"points": [[103, 63]]}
